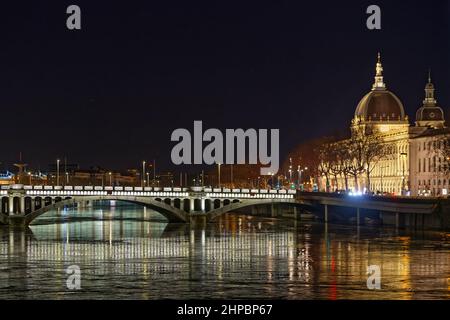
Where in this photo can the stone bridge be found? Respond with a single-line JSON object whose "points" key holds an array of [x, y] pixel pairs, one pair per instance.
{"points": [[21, 204]]}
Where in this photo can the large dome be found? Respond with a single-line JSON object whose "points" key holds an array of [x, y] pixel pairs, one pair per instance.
{"points": [[380, 105]]}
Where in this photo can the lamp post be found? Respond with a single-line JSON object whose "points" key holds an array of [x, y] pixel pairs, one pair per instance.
{"points": [[299, 171], [148, 179], [29, 175], [203, 178], [231, 176], [57, 172], [67, 178], [290, 171], [143, 174], [271, 179], [110, 178], [218, 169], [154, 171]]}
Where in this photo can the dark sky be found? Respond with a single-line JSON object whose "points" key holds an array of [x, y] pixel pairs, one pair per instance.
{"points": [[112, 93]]}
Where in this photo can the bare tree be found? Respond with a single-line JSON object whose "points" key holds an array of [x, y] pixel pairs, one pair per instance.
{"points": [[324, 152], [375, 150], [344, 160], [356, 159], [441, 147]]}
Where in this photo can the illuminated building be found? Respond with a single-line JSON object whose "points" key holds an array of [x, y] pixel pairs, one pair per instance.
{"points": [[381, 112]]}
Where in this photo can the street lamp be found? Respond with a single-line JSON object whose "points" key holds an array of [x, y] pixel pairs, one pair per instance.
{"points": [[231, 176], [29, 174], [299, 171], [57, 172], [271, 179], [218, 169], [148, 179], [143, 174], [110, 178]]}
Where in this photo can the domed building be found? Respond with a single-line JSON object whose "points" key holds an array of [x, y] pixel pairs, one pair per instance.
{"points": [[430, 114], [381, 113], [380, 109], [430, 164]]}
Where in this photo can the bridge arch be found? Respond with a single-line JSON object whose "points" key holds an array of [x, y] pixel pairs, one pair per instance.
{"points": [[231, 206], [171, 213], [187, 205], [208, 205], [5, 205], [197, 204]]}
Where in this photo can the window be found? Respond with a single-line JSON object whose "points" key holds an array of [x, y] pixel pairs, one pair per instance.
{"points": [[419, 165]]}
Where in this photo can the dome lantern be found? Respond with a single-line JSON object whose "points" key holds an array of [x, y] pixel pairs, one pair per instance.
{"points": [[379, 83]]}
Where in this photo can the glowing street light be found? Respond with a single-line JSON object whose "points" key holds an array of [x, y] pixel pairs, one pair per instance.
{"points": [[218, 169], [143, 174], [57, 172]]}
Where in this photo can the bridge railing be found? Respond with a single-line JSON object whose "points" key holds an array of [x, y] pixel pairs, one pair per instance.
{"points": [[147, 191]]}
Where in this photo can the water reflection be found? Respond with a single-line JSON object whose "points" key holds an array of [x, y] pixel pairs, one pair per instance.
{"points": [[130, 252]]}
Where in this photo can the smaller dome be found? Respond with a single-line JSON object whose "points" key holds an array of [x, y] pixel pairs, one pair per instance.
{"points": [[430, 114]]}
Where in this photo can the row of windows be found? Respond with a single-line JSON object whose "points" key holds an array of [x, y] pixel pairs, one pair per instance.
{"points": [[435, 164], [434, 145], [439, 181]]}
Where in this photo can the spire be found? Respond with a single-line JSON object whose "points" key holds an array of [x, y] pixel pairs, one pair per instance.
{"points": [[429, 92], [379, 84]]}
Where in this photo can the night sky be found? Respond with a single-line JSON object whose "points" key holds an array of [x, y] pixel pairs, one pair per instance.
{"points": [[112, 93]]}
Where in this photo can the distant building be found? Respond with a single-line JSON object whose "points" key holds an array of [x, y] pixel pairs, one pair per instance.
{"points": [[6, 177]]}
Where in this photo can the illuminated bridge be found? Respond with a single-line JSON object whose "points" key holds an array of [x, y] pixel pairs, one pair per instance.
{"points": [[21, 204]]}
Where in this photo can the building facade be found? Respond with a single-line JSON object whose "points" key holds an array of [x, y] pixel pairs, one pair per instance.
{"points": [[413, 164]]}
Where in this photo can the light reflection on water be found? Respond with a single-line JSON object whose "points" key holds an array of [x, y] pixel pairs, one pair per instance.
{"points": [[131, 253]]}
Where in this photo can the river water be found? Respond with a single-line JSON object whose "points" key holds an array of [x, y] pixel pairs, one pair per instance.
{"points": [[128, 252]]}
